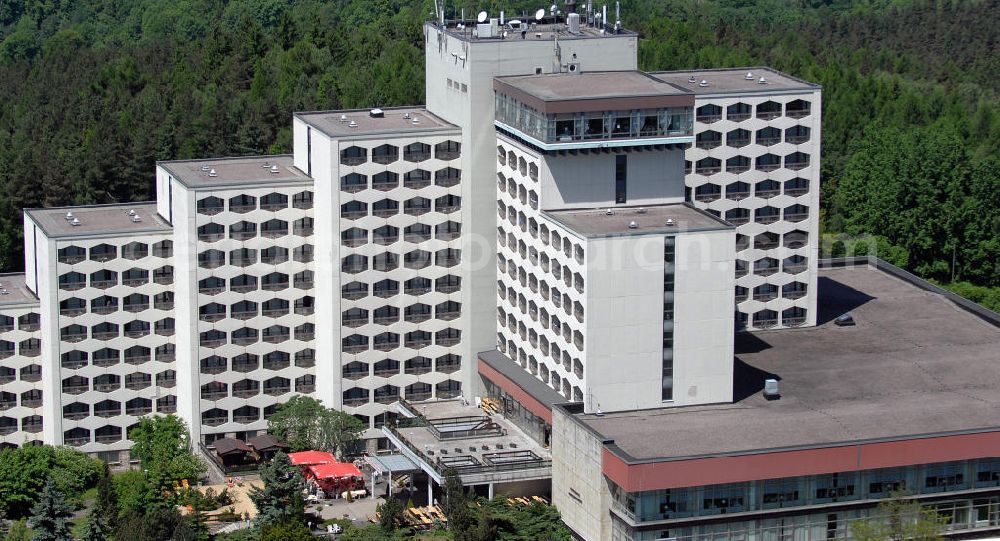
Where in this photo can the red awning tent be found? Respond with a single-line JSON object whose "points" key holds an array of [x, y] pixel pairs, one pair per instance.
{"points": [[311, 458], [335, 477], [336, 470]]}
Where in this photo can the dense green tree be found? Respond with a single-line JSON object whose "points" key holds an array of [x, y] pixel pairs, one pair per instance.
{"points": [[18, 531], [162, 445], [305, 424], [291, 530], [280, 499], [25, 470], [897, 519], [50, 516], [390, 514]]}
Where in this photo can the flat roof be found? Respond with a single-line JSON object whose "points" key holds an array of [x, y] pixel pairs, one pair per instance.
{"points": [[521, 377], [546, 29], [916, 364], [14, 291], [241, 171], [553, 93], [734, 80], [596, 222], [97, 220], [395, 121]]}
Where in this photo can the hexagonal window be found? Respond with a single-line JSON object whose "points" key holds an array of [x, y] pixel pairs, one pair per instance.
{"points": [[448, 230], [107, 408], [798, 108], [353, 182], [136, 381], [707, 192], [387, 394], [768, 162], [105, 383], [768, 110], [765, 241], [796, 239], [447, 150], [797, 160], [768, 189], [277, 386], [417, 233], [417, 206], [416, 313], [275, 281], [274, 228], [211, 232], [106, 357], [385, 154], [243, 230], [274, 255], [103, 252], [242, 204], [107, 331], [737, 191], [417, 259], [353, 209], [354, 317], [386, 368], [448, 257], [796, 187], [211, 205], [245, 388], [795, 264], [447, 204], [417, 286], [164, 249], [76, 436], [797, 135], [136, 302], [71, 255], [447, 337], [385, 181], [765, 292], [354, 343], [212, 311], [767, 215], [385, 315], [448, 389], [737, 164], [243, 310], [76, 411], [353, 155], [355, 370], [274, 201], [765, 319], [354, 264], [738, 112], [447, 177], [385, 208], [708, 113], [72, 281], [708, 166], [139, 406], [765, 266], [303, 200], [796, 213], [794, 290], [213, 365], [708, 139], [793, 317], [416, 152], [742, 242], [245, 362], [417, 178], [214, 390], [354, 290], [354, 237], [214, 416], [768, 136], [275, 334], [385, 288], [448, 310], [135, 250]]}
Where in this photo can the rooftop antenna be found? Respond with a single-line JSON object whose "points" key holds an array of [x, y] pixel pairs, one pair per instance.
{"points": [[482, 16], [540, 14], [618, 16], [604, 17]]}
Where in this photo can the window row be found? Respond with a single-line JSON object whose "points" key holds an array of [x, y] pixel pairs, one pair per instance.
{"points": [[388, 315], [389, 180], [767, 292], [550, 266], [245, 283], [739, 190], [245, 309], [765, 319], [741, 164], [244, 230], [523, 166], [525, 195], [104, 279], [356, 343], [447, 364], [112, 382], [241, 204], [390, 288], [353, 264], [106, 357], [31, 424], [545, 321], [106, 252], [108, 331], [739, 138], [106, 304], [387, 394], [739, 112], [765, 215], [246, 336], [113, 408], [414, 152], [29, 322], [767, 240], [388, 234], [31, 373], [245, 257], [767, 266], [250, 362], [248, 388]]}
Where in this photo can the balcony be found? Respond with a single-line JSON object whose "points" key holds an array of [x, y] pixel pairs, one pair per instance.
{"points": [[139, 410], [355, 348], [214, 395], [354, 402], [76, 441], [419, 397]]}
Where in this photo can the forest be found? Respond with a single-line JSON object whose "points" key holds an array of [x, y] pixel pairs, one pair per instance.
{"points": [[95, 92]]}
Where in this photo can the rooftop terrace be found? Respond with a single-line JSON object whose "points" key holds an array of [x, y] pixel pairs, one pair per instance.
{"points": [[652, 220], [605, 90], [915, 364], [396, 121], [248, 171], [98, 220], [734, 80]]}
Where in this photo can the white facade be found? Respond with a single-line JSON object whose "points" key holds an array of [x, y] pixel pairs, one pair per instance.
{"points": [[20, 363]]}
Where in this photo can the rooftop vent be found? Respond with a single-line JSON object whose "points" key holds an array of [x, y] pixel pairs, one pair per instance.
{"points": [[204, 168], [266, 164], [376, 113], [136, 219], [212, 173], [343, 118], [69, 216], [703, 83], [762, 81], [633, 225], [74, 222], [749, 76], [3, 291], [415, 120], [771, 389], [670, 222], [406, 115], [274, 169], [131, 212], [610, 212], [691, 79], [353, 124], [642, 210]]}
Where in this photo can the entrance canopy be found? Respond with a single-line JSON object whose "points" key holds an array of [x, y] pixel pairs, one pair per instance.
{"points": [[391, 464]]}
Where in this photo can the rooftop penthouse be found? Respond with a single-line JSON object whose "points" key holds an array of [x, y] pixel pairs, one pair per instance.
{"points": [[562, 111]]}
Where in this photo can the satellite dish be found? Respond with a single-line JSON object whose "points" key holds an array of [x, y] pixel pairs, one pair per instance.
{"points": [[482, 16], [540, 14]]}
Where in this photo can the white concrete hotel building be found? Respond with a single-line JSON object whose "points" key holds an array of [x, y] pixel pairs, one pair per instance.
{"points": [[535, 212]]}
